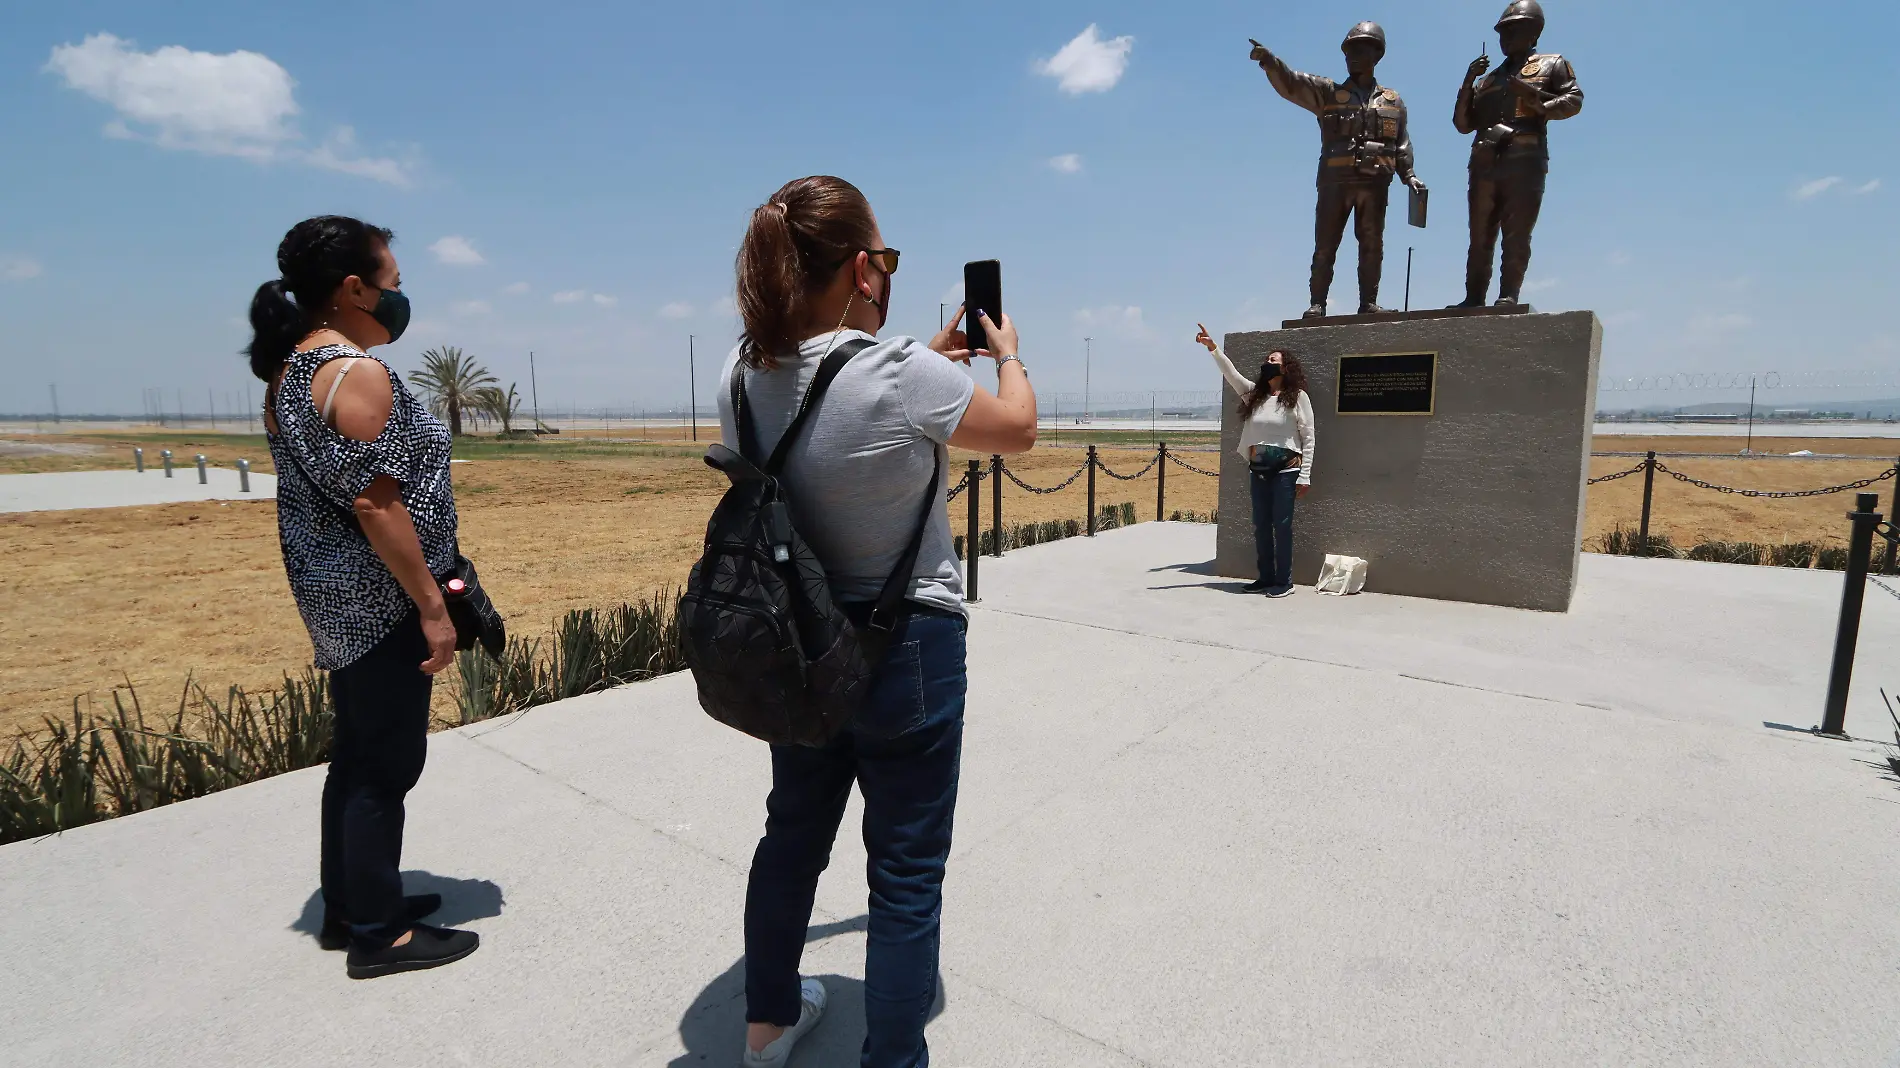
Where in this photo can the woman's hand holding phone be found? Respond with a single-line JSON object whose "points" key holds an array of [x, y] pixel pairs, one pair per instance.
{"points": [[1002, 338], [953, 343]]}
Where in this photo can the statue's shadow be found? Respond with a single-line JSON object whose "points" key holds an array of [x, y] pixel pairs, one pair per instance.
{"points": [[713, 1027]]}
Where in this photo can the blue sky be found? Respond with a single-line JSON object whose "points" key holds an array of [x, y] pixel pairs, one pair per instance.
{"points": [[1726, 200]]}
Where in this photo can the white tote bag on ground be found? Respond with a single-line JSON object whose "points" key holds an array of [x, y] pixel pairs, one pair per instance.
{"points": [[1341, 575]]}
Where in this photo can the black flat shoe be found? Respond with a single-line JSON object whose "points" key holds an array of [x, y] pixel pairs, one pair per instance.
{"points": [[1256, 586], [336, 930], [428, 947]]}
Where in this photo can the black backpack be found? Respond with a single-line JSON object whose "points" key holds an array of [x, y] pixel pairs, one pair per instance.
{"points": [[770, 650]]}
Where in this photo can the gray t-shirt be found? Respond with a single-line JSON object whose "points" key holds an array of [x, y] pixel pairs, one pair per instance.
{"points": [[857, 475]]}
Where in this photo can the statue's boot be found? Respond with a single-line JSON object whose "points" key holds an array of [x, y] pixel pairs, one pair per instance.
{"points": [[1371, 307], [1506, 300], [1316, 311], [1469, 302]]}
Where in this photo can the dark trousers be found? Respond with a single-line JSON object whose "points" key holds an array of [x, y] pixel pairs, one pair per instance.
{"points": [[904, 751], [1365, 203], [1505, 199], [376, 756], [1273, 497]]}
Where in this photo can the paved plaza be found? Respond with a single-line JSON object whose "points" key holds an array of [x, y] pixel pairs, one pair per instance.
{"points": [[1196, 829]]}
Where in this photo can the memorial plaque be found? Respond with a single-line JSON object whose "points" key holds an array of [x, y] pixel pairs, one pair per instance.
{"points": [[1388, 383]]}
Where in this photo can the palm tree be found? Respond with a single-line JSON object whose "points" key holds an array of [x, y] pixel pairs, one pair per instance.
{"points": [[453, 383], [502, 406]]}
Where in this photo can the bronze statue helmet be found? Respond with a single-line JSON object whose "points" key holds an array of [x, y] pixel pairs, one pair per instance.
{"points": [[1372, 31], [1522, 11]]}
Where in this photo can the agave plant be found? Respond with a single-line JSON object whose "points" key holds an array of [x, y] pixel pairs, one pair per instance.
{"points": [[454, 384]]}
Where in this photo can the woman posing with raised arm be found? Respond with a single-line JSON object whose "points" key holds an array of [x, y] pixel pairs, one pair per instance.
{"points": [[366, 521], [1277, 440], [814, 274]]}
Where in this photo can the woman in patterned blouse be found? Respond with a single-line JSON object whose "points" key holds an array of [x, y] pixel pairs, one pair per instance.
{"points": [[366, 519]]}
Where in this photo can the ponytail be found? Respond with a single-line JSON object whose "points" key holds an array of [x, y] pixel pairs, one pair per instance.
{"points": [[313, 260], [276, 325], [793, 245]]}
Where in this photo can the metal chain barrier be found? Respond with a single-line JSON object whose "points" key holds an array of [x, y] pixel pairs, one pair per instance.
{"points": [[1128, 478], [961, 485], [1861, 484], [1065, 483], [1637, 470], [1183, 463]]}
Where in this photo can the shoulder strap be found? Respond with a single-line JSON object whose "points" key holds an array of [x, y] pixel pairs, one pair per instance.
{"points": [[820, 382], [884, 617], [336, 383]]}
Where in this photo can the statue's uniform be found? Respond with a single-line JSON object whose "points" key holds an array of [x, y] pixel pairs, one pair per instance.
{"points": [[1510, 155], [1364, 141]]}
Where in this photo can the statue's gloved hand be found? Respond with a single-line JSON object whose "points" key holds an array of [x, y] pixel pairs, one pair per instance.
{"points": [[1259, 53], [1528, 93], [1416, 183], [1477, 68]]}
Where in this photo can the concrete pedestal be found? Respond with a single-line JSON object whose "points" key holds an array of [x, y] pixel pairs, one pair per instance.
{"points": [[1482, 500]]}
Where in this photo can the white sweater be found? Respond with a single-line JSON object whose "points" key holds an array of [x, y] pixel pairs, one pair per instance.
{"points": [[1273, 423]]}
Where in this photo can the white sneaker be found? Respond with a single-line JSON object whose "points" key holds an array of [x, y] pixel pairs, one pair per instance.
{"points": [[811, 995]]}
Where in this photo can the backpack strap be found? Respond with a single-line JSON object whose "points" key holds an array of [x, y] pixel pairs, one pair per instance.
{"points": [[820, 382], [890, 600]]}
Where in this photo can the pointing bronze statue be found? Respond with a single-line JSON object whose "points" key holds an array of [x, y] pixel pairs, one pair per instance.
{"points": [[1364, 142], [1509, 111]]}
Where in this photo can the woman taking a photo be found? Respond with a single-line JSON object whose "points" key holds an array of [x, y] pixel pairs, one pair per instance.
{"points": [[814, 273], [366, 521], [1276, 437]]}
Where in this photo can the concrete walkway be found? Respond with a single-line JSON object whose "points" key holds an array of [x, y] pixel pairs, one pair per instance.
{"points": [[1196, 829], [63, 490]]}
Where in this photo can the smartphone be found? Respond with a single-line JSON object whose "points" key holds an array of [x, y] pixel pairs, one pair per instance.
{"points": [[982, 291]]}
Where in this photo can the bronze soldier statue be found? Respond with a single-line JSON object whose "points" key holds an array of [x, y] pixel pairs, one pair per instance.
{"points": [[1363, 143], [1510, 111]]}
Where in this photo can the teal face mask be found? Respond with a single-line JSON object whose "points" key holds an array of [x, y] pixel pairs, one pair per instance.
{"points": [[392, 312]]}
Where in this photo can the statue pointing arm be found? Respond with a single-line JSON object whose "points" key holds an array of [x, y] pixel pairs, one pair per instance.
{"points": [[1309, 91]]}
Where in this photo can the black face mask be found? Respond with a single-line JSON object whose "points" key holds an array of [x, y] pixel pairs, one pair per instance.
{"points": [[392, 313], [883, 306]]}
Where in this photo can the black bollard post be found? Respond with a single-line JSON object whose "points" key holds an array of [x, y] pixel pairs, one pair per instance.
{"points": [[1649, 485], [166, 455], [1091, 491], [1860, 546], [244, 476], [970, 545], [1161, 483], [200, 460], [138, 460], [996, 502]]}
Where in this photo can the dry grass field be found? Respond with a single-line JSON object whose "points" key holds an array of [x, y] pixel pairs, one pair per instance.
{"points": [[90, 599]]}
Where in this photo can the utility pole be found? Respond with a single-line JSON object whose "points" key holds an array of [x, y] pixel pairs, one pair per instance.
{"points": [[181, 408], [55, 390], [692, 385], [535, 390], [1088, 363], [940, 318], [211, 402], [1408, 278], [1749, 449], [249, 407]]}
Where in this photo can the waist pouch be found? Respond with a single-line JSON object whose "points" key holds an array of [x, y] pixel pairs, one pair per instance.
{"points": [[1271, 459]]}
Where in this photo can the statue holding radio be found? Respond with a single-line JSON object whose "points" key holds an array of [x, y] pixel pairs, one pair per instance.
{"points": [[1364, 142], [1510, 111]]}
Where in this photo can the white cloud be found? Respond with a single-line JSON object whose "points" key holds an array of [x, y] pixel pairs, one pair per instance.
{"points": [[517, 290], [1112, 319], [223, 104], [1088, 64], [1810, 190], [725, 307], [1539, 285], [456, 251], [1863, 190], [570, 296], [678, 309], [472, 307], [338, 153], [604, 300], [1067, 163], [19, 268]]}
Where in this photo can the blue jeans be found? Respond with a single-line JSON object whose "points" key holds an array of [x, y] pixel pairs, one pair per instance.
{"points": [[1273, 496], [903, 750]]}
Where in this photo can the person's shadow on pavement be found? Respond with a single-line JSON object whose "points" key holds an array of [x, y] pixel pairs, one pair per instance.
{"points": [[462, 900], [713, 1028]]}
